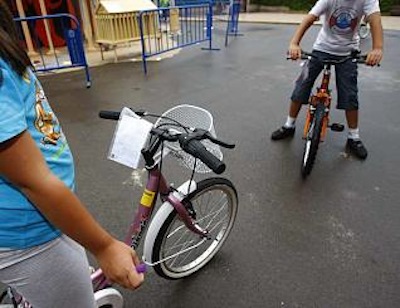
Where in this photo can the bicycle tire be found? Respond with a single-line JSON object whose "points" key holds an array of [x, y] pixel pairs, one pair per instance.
{"points": [[312, 140], [181, 237]]}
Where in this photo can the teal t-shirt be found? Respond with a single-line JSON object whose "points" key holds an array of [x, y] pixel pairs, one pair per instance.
{"points": [[24, 106]]}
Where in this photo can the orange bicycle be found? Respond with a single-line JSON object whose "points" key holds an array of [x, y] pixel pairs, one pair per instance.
{"points": [[317, 119]]}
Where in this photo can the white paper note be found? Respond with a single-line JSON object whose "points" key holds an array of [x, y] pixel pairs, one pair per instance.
{"points": [[129, 138]]}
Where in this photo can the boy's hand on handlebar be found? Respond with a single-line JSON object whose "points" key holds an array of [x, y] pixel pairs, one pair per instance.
{"points": [[294, 51], [374, 57], [118, 262]]}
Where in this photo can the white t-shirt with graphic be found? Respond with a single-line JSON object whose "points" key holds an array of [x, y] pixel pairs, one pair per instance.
{"points": [[340, 23]]}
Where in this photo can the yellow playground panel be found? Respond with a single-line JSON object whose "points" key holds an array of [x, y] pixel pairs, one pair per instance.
{"points": [[117, 21]]}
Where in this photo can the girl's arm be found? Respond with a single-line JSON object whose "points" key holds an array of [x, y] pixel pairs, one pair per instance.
{"points": [[22, 163]]}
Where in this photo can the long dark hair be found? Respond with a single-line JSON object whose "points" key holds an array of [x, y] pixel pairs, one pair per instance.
{"points": [[10, 49]]}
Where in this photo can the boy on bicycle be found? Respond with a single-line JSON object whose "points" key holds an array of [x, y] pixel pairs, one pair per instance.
{"points": [[337, 38]]}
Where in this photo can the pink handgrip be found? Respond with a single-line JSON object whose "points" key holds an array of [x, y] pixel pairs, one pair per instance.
{"points": [[141, 268]]}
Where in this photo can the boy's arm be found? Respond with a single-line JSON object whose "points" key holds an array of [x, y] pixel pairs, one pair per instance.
{"points": [[294, 51], [376, 54]]}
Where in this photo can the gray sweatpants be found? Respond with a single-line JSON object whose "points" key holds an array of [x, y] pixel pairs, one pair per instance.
{"points": [[52, 275]]}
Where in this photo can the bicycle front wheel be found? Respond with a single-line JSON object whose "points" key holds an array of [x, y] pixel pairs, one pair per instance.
{"points": [[214, 206], [312, 140]]}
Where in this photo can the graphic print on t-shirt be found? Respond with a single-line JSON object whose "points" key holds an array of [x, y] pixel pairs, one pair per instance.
{"points": [[343, 20], [45, 122]]}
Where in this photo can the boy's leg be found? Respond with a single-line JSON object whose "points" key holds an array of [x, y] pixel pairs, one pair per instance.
{"points": [[55, 274], [354, 144], [288, 129], [346, 80], [352, 119], [300, 95]]}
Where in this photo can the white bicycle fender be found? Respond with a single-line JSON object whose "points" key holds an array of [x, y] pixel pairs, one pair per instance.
{"points": [[160, 216], [109, 297]]}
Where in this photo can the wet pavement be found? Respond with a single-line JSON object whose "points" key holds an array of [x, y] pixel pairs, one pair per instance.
{"points": [[332, 240]]}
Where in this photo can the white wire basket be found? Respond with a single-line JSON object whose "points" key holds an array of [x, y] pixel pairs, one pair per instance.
{"points": [[193, 117]]}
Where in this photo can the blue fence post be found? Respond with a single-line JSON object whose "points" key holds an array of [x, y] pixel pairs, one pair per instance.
{"points": [[209, 25], [77, 51], [233, 20], [143, 43]]}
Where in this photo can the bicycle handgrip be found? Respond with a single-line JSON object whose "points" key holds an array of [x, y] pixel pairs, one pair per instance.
{"points": [[109, 115], [198, 150], [141, 268]]}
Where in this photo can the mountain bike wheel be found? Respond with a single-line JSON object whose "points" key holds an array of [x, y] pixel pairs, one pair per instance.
{"points": [[312, 140], [214, 205]]}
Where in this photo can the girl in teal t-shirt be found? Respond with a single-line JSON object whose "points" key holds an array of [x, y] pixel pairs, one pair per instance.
{"points": [[41, 219]]}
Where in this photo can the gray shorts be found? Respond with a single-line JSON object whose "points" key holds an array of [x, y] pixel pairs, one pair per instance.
{"points": [[346, 81], [52, 275]]}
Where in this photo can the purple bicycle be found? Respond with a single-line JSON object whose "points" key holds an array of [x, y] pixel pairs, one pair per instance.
{"points": [[194, 220]]}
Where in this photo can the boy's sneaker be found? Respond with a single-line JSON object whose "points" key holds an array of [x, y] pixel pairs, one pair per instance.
{"points": [[283, 132], [356, 148]]}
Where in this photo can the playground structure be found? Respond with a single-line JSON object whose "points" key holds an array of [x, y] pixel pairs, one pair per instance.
{"points": [[57, 41]]}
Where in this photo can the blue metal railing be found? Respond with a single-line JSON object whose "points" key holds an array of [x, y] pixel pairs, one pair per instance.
{"points": [[233, 20], [52, 60], [166, 29]]}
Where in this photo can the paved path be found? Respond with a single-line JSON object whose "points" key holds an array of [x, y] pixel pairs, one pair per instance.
{"points": [[330, 241]]}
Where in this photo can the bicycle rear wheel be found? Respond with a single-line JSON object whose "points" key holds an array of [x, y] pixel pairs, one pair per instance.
{"points": [[312, 140], [214, 205]]}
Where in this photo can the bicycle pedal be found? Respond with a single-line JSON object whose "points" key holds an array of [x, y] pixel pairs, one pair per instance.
{"points": [[336, 127]]}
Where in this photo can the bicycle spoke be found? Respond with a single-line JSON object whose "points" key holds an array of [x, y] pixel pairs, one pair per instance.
{"points": [[182, 251], [218, 223]]}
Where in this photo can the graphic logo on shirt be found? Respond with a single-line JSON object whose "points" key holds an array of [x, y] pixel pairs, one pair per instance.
{"points": [[26, 77], [46, 122], [343, 21]]}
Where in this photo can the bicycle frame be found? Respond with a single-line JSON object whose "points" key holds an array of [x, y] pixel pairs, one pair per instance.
{"points": [[156, 185], [323, 95]]}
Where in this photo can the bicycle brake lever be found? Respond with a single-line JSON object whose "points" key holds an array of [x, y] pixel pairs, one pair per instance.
{"points": [[219, 142], [200, 134]]}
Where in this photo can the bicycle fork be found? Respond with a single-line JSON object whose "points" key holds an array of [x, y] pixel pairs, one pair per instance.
{"points": [[187, 219], [336, 127], [310, 117]]}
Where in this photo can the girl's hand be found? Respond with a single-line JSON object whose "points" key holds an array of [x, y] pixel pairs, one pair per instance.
{"points": [[294, 51], [374, 57], [118, 262]]}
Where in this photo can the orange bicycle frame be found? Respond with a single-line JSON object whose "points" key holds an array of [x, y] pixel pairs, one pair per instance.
{"points": [[323, 95]]}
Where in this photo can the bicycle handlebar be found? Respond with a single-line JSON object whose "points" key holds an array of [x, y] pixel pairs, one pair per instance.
{"points": [[114, 115], [189, 142], [109, 115], [198, 150], [354, 56]]}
